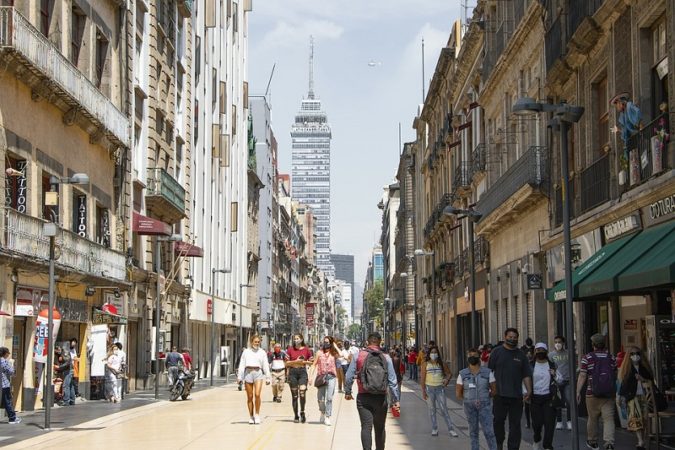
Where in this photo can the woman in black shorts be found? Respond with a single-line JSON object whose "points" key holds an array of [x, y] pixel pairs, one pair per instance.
{"points": [[299, 357]]}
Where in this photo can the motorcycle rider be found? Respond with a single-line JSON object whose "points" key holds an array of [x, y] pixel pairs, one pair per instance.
{"points": [[174, 361]]}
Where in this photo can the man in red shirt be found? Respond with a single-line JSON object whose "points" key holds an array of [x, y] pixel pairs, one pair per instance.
{"points": [[412, 363]]}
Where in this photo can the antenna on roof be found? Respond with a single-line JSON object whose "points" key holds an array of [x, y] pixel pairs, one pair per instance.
{"points": [[310, 94]]}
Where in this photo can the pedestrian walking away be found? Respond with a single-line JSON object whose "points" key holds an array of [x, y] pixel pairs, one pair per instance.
{"points": [[399, 367], [412, 364], [299, 357], [560, 358], [326, 377], [512, 371], [475, 388], [277, 359], [528, 349], [342, 364], [435, 376], [122, 374], [637, 383], [75, 383], [598, 368], [63, 366], [545, 398], [374, 373], [7, 371], [253, 369]]}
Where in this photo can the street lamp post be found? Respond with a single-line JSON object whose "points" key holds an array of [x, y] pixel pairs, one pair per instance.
{"points": [[50, 229], [421, 252], [474, 216], [213, 318], [241, 331], [565, 115]]}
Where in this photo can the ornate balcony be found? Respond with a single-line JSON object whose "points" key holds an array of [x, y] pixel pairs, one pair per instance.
{"points": [[648, 151], [461, 182], [24, 236], [478, 162], [40, 64], [164, 196], [595, 184]]}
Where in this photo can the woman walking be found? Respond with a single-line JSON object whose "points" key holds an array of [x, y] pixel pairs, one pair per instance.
{"points": [[545, 390], [342, 365], [253, 368], [326, 374], [299, 357], [434, 377], [637, 378], [476, 385]]}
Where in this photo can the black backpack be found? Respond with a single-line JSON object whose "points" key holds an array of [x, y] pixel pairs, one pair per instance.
{"points": [[374, 375]]}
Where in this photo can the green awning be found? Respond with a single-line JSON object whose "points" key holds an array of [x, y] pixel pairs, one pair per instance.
{"points": [[558, 292], [605, 280], [656, 268]]}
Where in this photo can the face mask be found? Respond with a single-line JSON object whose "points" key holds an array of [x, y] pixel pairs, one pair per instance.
{"points": [[541, 356], [433, 356], [512, 342], [473, 360], [117, 352], [635, 358], [558, 346], [297, 342], [326, 345]]}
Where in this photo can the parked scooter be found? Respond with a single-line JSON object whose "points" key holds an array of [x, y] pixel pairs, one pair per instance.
{"points": [[183, 381]]}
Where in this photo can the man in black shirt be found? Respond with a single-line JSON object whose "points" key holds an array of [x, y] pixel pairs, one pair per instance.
{"points": [[512, 369]]}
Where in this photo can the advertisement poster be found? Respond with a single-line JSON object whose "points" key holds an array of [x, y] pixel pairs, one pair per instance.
{"points": [[41, 345], [99, 339]]}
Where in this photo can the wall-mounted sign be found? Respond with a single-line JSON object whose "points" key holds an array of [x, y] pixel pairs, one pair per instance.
{"points": [[621, 227], [209, 306], [659, 211], [534, 281], [630, 324], [30, 300], [82, 215], [147, 226]]}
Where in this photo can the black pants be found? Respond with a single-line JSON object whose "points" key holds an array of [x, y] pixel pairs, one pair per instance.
{"points": [[543, 416], [7, 402], [373, 413], [297, 380], [513, 408]]}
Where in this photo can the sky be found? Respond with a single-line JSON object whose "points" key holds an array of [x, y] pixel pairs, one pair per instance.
{"points": [[365, 103]]}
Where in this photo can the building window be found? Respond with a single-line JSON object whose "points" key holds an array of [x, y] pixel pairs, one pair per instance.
{"points": [[214, 85], [234, 118], [235, 17], [50, 213], [102, 226], [234, 217], [660, 67], [101, 57], [601, 115], [46, 9], [76, 33]]}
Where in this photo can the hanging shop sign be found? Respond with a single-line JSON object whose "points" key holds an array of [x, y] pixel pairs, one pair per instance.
{"points": [[29, 300], [82, 215], [309, 314], [621, 227], [107, 314], [147, 226], [660, 211], [534, 281]]}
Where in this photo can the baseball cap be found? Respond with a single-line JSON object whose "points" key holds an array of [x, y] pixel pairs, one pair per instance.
{"points": [[541, 345]]}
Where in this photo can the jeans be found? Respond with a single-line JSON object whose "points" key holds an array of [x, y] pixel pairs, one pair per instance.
{"points": [[564, 389], [68, 389], [7, 401], [325, 395], [372, 410], [513, 408], [480, 412], [543, 416], [598, 407], [438, 401], [413, 371]]}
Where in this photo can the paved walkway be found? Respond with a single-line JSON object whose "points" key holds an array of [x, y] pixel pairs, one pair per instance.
{"points": [[218, 417]]}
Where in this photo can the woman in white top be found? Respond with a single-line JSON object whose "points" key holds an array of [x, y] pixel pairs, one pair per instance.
{"points": [[113, 365], [253, 368], [544, 382]]}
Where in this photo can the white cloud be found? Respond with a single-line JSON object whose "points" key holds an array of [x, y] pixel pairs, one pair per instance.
{"points": [[289, 35]]}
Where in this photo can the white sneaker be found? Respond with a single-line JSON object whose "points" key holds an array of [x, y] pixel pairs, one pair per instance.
{"points": [[537, 446], [453, 433], [569, 424], [559, 426], [322, 419], [256, 418], [434, 432], [327, 421], [251, 420]]}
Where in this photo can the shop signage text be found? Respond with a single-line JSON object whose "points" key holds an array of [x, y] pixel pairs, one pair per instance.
{"points": [[209, 306], [82, 215], [622, 226], [660, 210]]}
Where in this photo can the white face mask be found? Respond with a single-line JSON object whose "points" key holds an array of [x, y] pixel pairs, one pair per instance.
{"points": [[558, 346], [635, 358], [117, 352], [433, 356]]}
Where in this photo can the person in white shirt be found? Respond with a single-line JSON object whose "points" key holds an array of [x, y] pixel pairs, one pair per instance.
{"points": [[545, 393], [277, 359], [253, 368]]}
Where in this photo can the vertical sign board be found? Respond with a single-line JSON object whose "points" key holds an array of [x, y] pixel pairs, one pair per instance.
{"points": [[82, 215]]}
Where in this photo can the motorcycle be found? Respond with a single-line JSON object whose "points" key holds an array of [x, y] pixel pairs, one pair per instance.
{"points": [[182, 384]]}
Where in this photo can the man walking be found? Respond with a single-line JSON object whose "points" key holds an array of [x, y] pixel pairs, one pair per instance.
{"points": [[277, 359], [64, 368], [375, 373], [7, 371], [599, 369], [560, 358], [512, 369]]}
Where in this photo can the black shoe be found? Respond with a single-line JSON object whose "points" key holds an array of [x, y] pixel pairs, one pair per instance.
{"points": [[593, 445], [609, 446], [303, 419], [296, 420], [278, 399], [274, 399]]}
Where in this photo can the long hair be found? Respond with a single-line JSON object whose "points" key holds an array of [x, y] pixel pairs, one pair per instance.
{"points": [[438, 350], [331, 350], [302, 340], [627, 364]]}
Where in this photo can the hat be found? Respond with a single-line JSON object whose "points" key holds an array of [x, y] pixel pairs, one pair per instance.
{"points": [[621, 96], [598, 339], [541, 345]]}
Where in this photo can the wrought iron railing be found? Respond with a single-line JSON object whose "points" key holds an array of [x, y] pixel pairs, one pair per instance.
{"points": [[578, 11], [162, 184], [481, 250], [648, 151], [24, 235], [532, 168], [19, 36], [553, 42], [462, 178], [595, 184], [478, 159]]}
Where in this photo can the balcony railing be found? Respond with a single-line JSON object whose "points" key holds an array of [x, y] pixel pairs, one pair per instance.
{"points": [[595, 184], [558, 213], [461, 182], [478, 160], [163, 191], [481, 250], [553, 43], [648, 151], [19, 36], [578, 11], [24, 235], [530, 169], [437, 213]]}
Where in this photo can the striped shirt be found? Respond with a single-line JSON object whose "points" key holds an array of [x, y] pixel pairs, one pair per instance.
{"points": [[6, 372], [435, 375], [588, 364]]}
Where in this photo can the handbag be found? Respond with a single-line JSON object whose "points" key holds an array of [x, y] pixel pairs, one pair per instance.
{"points": [[320, 380]]}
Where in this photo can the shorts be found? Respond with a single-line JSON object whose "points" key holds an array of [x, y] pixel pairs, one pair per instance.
{"points": [[297, 376], [253, 375]]}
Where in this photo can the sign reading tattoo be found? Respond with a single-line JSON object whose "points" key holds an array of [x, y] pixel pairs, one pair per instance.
{"points": [[82, 215]]}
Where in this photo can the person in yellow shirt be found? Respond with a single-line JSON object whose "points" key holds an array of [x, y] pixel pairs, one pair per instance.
{"points": [[422, 355], [76, 366]]}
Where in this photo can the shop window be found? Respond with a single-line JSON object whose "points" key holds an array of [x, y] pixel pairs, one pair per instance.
{"points": [[234, 217], [16, 184], [79, 214], [601, 115], [103, 226]]}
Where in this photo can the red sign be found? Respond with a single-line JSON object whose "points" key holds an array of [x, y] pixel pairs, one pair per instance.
{"points": [[309, 314], [209, 306], [187, 250], [147, 226]]}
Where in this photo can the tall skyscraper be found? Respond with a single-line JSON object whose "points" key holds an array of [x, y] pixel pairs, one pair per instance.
{"points": [[344, 267], [310, 184]]}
